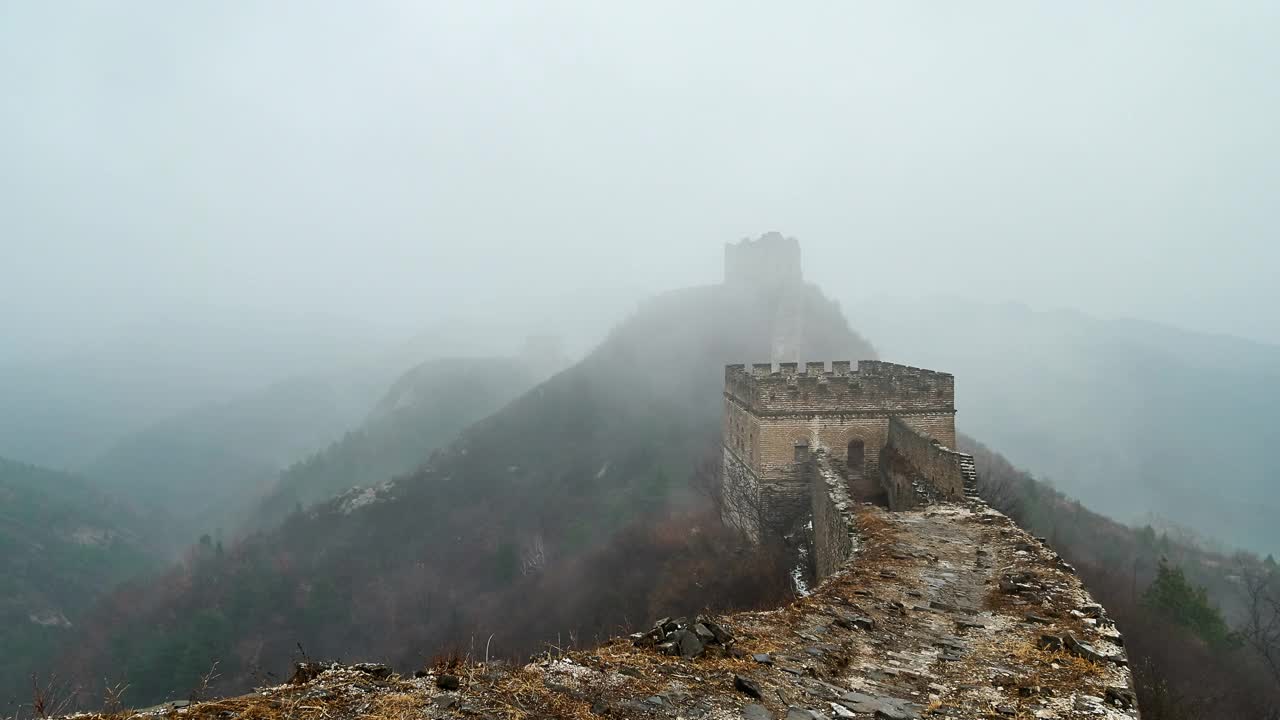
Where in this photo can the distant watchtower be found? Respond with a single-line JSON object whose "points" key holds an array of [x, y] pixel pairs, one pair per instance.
{"points": [[769, 261], [888, 428], [769, 267]]}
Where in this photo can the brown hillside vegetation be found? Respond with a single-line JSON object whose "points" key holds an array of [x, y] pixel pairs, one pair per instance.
{"points": [[519, 530], [1178, 674], [912, 629]]}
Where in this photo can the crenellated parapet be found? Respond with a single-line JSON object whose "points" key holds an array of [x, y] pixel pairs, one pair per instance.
{"points": [[777, 416], [872, 386]]}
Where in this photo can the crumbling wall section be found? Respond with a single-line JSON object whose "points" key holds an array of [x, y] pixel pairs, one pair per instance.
{"points": [[916, 469], [833, 529]]}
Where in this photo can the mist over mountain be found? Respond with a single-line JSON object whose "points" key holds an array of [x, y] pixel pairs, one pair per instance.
{"points": [[352, 325], [500, 524], [66, 401], [423, 410], [63, 544], [1134, 418], [194, 472]]}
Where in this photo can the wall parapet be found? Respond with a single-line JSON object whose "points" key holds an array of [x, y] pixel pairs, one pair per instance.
{"points": [[916, 469], [874, 386], [834, 537]]}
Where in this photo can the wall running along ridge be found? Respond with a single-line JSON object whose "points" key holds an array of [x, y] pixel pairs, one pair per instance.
{"points": [[940, 595], [929, 620]]}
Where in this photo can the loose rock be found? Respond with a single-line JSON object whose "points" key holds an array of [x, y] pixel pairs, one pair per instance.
{"points": [[748, 686]]}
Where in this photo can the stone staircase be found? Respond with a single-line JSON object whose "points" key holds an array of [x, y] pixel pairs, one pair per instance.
{"points": [[970, 474]]}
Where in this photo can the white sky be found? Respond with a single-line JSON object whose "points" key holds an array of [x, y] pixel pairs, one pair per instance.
{"points": [[394, 162]]}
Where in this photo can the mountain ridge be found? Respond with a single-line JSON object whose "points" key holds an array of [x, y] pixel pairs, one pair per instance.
{"points": [[526, 493]]}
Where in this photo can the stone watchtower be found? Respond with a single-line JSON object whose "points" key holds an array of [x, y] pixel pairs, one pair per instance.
{"points": [[769, 267], [886, 428], [769, 261]]}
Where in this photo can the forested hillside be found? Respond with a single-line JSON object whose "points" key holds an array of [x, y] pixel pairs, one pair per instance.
{"points": [[1132, 418], [63, 543], [64, 406], [423, 410], [1202, 630], [519, 529], [197, 473]]}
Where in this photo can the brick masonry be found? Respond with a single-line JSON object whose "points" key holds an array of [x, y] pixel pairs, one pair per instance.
{"points": [[775, 418], [919, 469], [833, 529]]}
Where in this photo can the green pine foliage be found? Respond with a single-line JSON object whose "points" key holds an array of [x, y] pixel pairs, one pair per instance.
{"points": [[1187, 604], [424, 410]]}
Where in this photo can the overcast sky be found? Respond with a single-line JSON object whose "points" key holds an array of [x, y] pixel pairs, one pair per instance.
{"points": [[392, 161]]}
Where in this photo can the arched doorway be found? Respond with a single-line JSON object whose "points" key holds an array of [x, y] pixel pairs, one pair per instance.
{"points": [[855, 458]]}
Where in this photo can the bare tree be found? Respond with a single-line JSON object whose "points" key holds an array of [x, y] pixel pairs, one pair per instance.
{"points": [[1261, 628], [1002, 491], [113, 697], [201, 691], [742, 502], [533, 557], [707, 482], [50, 697]]}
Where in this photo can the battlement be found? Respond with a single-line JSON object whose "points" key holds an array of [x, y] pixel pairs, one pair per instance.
{"points": [[873, 386], [777, 418], [917, 468], [767, 261]]}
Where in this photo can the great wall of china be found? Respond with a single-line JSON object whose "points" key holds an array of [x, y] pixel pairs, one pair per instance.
{"points": [[930, 604]]}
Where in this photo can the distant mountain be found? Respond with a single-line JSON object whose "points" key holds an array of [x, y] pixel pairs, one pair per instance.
{"points": [[62, 545], [197, 472], [64, 407], [423, 410], [493, 536], [1131, 417]]}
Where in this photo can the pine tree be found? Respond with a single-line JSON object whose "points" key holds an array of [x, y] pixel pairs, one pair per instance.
{"points": [[1173, 596]]}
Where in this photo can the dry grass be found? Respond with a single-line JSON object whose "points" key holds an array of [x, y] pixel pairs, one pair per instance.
{"points": [[522, 694], [618, 671]]}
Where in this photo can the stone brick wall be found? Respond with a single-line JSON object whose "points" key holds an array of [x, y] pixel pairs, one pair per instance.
{"points": [[741, 433], [822, 408], [833, 531], [775, 419], [917, 468], [904, 487], [753, 506], [784, 503], [874, 389]]}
